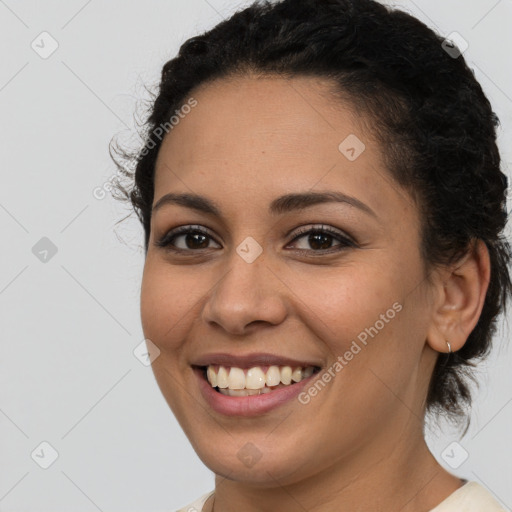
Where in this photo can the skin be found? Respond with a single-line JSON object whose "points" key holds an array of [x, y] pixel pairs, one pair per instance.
{"points": [[358, 445]]}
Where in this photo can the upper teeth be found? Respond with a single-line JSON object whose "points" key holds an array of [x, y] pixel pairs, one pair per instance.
{"points": [[236, 378]]}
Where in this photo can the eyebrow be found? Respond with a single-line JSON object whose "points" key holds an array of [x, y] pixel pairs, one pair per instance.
{"points": [[283, 204]]}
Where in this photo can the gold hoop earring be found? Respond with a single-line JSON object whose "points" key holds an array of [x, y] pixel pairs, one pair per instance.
{"points": [[449, 347]]}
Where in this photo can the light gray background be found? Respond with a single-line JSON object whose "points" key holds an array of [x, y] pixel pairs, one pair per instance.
{"points": [[69, 326]]}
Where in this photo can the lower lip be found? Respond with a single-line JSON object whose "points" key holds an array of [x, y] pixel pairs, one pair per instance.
{"points": [[251, 405]]}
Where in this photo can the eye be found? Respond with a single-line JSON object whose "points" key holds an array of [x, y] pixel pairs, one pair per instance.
{"points": [[320, 239], [197, 238], [194, 237]]}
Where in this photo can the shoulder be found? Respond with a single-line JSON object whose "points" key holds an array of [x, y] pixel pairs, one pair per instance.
{"points": [[196, 506], [471, 497]]}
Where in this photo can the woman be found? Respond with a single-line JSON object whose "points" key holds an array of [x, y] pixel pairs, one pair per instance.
{"points": [[323, 207]]}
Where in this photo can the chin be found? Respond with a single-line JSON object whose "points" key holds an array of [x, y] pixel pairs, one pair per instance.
{"points": [[266, 466]]}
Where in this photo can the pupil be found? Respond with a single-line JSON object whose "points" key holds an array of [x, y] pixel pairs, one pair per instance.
{"points": [[313, 239], [194, 237]]}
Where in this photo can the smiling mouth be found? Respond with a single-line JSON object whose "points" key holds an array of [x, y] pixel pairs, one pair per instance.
{"points": [[233, 381]]}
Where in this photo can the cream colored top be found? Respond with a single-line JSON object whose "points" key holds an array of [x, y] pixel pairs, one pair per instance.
{"points": [[471, 497]]}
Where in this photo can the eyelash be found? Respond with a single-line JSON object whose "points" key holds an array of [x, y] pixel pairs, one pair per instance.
{"points": [[168, 238]]}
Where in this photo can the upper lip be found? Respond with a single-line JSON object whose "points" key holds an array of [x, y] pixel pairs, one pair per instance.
{"points": [[250, 360]]}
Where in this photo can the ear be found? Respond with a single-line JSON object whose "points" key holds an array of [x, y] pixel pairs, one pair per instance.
{"points": [[460, 295]]}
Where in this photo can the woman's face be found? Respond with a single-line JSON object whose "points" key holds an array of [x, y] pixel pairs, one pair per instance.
{"points": [[353, 302]]}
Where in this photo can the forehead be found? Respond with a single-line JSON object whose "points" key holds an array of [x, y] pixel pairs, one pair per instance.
{"points": [[250, 137], [242, 116]]}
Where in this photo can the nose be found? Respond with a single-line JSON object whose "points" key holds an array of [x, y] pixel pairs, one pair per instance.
{"points": [[246, 294]]}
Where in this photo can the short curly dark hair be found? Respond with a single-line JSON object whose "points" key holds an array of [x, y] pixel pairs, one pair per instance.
{"points": [[436, 126]]}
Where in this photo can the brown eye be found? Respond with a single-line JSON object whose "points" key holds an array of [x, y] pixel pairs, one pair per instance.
{"points": [[194, 238], [320, 239]]}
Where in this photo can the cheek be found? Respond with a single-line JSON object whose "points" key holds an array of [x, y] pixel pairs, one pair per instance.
{"points": [[365, 315], [167, 300], [167, 303], [346, 301], [374, 328]]}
